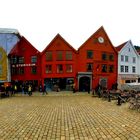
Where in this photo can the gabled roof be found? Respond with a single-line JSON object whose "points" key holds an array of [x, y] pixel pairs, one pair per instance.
{"points": [[55, 38], [17, 49], [118, 48], [24, 39], [101, 29]]}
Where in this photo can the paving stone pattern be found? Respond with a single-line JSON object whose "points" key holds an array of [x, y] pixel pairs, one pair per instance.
{"points": [[66, 116]]}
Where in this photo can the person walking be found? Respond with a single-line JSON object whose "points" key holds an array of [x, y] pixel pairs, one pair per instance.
{"points": [[29, 90], [15, 89], [45, 89], [73, 87]]}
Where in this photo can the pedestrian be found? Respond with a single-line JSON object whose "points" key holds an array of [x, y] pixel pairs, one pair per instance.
{"points": [[88, 88], [29, 90], [22, 89], [119, 99], [73, 87], [99, 90], [45, 90], [40, 88], [15, 89]]}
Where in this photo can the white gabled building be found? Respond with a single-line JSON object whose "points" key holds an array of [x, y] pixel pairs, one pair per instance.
{"points": [[128, 63]]}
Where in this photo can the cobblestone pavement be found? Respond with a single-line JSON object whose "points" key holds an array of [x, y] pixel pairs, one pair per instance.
{"points": [[66, 116]]}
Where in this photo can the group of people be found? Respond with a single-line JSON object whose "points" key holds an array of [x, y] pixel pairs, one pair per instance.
{"points": [[43, 89]]}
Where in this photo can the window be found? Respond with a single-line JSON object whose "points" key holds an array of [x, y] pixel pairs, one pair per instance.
{"points": [[59, 68], [126, 69], [48, 68], [21, 70], [122, 58], [89, 66], [68, 68], [122, 68], [14, 60], [59, 55], [49, 56], [111, 68], [104, 68], [33, 59], [21, 60], [111, 57], [126, 58], [104, 56], [0, 69], [68, 55], [134, 59], [14, 71], [133, 69], [33, 70], [89, 54]]}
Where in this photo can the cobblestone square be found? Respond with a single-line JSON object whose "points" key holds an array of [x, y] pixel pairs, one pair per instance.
{"points": [[66, 116]]}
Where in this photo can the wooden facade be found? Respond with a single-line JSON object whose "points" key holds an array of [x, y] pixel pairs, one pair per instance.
{"points": [[97, 59], [60, 65], [25, 63]]}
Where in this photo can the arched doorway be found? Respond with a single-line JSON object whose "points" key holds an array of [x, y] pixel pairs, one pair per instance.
{"points": [[84, 83]]}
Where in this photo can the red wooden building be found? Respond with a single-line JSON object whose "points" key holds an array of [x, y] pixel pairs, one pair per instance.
{"points": [[25, 63], [97, 62], [59, 64]]}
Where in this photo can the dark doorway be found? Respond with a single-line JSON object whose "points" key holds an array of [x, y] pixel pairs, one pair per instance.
{"points": [[62, 83], [84, 84]]}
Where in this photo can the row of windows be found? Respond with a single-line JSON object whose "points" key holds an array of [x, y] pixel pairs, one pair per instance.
{"points": [[20, 60], [68, 55], [104, 68], [125, 58], [20, 70], [89, 68], [59, 55], [105, 56], [59, 68], [107, 68], [126, 69]]}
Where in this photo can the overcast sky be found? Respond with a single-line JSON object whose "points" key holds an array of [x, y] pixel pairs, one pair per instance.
{"points": [[76, 20]]}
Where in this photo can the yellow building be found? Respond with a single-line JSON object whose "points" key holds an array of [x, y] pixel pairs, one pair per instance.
{"points": [[3, 65]]}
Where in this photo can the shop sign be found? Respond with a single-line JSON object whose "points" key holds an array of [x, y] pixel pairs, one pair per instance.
{"points": [[23, 65]]}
